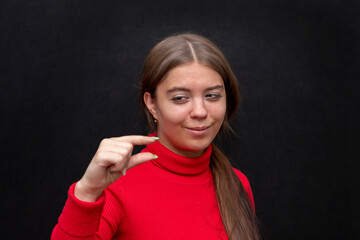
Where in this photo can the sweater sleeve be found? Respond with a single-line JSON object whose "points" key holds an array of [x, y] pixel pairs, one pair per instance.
{"points": [[246, 184], [88, 220]]}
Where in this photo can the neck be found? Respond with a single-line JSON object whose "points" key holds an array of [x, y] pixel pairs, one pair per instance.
{"points": [[180, 163]]}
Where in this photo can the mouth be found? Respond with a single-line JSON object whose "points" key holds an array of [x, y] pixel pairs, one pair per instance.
{"points": [[198, 128], [198, 131]]}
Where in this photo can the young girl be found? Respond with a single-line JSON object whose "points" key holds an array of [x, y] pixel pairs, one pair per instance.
{"points": [[183, 187]]}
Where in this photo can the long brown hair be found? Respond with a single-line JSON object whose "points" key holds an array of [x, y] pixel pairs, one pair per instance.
{"points": [[236, 210]]}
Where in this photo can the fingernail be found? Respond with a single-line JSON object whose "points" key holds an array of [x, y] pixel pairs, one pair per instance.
{"points": [[155, 138], [124, 172], [155, 156]]}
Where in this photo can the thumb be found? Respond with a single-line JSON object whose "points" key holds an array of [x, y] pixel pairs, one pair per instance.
{"points": [[140, 158]]}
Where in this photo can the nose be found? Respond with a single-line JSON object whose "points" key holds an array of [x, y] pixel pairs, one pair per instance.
{"points": [[198, 109]]}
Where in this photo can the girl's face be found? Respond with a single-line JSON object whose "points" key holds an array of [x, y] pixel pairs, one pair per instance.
{"points": [[189, 106]]}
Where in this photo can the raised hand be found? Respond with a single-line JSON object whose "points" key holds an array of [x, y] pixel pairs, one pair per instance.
{"points": [[111, 160]]}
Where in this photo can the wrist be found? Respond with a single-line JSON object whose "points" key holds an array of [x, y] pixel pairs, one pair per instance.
{"points": [[86, 194]]}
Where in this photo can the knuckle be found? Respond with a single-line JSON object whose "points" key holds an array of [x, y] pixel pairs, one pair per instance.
{"points": [[128, 145], [104, 141], [101, 148], [101, 155]]}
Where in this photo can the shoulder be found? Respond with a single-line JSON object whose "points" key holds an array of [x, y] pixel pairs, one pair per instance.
{"points": [[245, 182], [243, 179]]}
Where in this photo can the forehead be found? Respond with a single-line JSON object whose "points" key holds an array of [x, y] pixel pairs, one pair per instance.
{"points": [[192, 75]]}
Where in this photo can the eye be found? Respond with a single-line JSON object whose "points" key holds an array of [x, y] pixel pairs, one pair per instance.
{"points": [[213, 96], [180, 99]]}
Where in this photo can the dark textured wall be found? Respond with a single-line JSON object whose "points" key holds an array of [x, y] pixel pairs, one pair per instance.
{"points": [[69, 71]]}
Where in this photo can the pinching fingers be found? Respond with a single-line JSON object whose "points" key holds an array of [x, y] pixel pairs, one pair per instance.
{"points": [[140, 158]]}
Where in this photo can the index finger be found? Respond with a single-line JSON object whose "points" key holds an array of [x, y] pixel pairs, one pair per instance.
{"points": [[136, 139]]}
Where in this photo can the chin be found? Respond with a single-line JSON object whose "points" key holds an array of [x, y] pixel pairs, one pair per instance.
{"points": [[198, 145]]}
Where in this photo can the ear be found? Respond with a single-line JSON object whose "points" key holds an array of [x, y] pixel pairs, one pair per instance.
{"points": [[150, 104]]}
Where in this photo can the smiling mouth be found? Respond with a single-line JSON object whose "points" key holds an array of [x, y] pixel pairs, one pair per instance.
{"points": [[199, 128]]}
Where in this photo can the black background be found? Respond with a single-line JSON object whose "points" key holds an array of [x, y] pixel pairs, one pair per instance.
{"points": [[69, 71]]}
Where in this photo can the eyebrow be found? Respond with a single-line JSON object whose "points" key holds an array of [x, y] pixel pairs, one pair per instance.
{"points": [[175, 89]]}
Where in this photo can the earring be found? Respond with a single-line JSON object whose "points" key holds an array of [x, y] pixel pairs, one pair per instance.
{"points": [[155, 121]]}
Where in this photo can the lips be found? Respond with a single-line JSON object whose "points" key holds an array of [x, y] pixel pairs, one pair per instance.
{"points": [[198, 128], [198, 131]]}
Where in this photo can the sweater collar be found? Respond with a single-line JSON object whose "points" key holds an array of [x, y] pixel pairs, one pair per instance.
{"points": [[178, 164]]}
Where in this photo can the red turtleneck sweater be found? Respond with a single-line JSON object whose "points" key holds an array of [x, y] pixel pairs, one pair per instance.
{"points": [[171, 197]]}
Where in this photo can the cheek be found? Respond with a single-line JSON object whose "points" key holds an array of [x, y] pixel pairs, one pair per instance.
{"points": [[170, 114], [218, 111]]}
